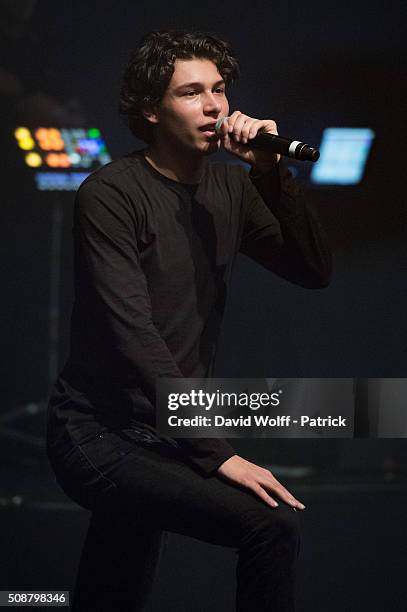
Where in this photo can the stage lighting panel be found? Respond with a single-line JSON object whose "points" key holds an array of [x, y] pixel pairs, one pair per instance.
{"points": [[62, 157], [344, 153]]}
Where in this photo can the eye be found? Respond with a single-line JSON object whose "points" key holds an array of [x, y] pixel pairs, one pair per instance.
{"points": [[220, 90], [190, 93]]}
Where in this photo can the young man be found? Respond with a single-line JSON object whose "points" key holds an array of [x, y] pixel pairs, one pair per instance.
{"points": [[156, 236]]}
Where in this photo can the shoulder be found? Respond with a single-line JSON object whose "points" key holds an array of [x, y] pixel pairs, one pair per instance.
{"points": [[121, 174], [113, 189], [109, 195]]}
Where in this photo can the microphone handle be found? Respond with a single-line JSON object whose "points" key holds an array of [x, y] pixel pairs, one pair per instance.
{"points": [[284, 146]]}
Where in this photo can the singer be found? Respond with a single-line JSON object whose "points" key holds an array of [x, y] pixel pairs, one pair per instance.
{"points": [[156, 236]]}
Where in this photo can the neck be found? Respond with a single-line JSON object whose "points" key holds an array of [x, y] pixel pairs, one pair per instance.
{"points": [[177, 165]]}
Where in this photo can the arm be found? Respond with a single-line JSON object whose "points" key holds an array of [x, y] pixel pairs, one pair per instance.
{"points": [[106, 240], [281, 232], [303, 257]]}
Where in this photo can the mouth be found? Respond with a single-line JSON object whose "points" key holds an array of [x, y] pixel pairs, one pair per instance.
{"points": [[209, 127], [209, 131]]}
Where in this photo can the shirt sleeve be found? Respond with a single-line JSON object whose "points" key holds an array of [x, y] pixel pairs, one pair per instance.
{"points": [[282, 233], [105, 234]]}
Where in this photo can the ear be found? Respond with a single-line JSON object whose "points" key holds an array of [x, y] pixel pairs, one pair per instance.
{"points": [[150, 114]]}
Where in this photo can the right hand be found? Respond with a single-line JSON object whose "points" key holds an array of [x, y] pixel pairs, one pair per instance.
{"points": [[259, 480]]}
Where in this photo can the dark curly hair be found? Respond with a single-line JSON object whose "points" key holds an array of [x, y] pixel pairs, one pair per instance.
{"points": [[151, 66]]}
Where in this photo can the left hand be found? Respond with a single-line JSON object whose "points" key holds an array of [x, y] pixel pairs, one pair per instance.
{"points": [[239, 471], [235, 134]]}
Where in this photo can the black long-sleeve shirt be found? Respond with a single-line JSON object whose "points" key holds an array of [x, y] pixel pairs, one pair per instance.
{"points": [[153, 261]]}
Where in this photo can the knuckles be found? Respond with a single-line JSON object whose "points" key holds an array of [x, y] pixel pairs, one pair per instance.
{"points": [[243, 126]]}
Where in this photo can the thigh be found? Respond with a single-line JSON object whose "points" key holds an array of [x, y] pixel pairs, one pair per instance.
{"points": [[160, 490], [82, 469]]}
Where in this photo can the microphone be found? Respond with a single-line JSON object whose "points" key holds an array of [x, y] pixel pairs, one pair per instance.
{"points": [[279, 144]]}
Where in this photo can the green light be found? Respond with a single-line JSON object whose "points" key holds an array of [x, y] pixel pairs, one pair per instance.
{"points": [[93, 133]]}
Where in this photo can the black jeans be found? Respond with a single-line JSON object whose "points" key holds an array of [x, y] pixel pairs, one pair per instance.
{"points": [[137, 490]]}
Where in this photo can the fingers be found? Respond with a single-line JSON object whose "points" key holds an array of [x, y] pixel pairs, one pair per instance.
{"points": [[239, 126], [242, 128], [274, 485], [280, 491], [259, 480], [231, 120], [256, 488], [224, 128], [249, 129], [264, 482], [228, 138]]}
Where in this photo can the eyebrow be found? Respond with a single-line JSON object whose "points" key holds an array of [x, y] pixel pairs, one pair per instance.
{"points": [[196, 84]]}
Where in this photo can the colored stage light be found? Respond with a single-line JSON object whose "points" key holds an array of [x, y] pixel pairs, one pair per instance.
{"points": [[52, 160], [24, 139], [27, 144], [59, 181], [93, 133], [89, 145], [58, 160], [49, 139], [33, 160], [62, 149], [344, 153], [22, 132], [75, 159]]}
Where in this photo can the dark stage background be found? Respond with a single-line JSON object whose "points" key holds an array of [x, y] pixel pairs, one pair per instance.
{"points": [[308, 66]]}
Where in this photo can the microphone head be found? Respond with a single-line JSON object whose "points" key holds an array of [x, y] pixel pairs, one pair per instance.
{"points": [[219, 123]]}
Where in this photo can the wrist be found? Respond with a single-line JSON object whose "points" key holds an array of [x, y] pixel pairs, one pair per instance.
{"points": [[227, 461]]}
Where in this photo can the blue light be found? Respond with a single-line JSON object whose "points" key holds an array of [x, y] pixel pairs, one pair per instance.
{"points": [[344, 152], [89, 145], [59, 181]]}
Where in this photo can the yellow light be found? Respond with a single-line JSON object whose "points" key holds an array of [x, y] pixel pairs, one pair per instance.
{"points": [[21, 133], [24, 138], [33, 160], [27, 144]]}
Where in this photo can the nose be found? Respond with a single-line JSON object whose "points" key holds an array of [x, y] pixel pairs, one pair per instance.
{"points": [[211, 104]]}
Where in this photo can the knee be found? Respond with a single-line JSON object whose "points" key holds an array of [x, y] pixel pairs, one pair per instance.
{"points": [[275, 526], [288, 525]]}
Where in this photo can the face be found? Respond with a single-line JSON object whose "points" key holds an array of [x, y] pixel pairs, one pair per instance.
{"points": [[195, 99]]}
